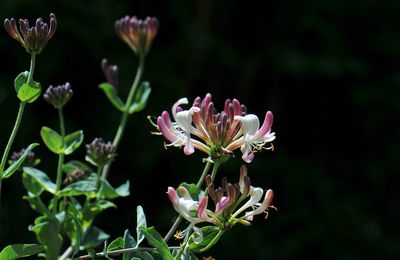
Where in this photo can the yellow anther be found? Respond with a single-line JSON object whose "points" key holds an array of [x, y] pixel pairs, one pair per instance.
{"points": [[165, 146], [272, 147], [266, 214], [178, 234], [273, 207]]}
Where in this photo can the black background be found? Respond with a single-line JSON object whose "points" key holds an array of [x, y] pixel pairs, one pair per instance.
{"points": [[329, 71]]}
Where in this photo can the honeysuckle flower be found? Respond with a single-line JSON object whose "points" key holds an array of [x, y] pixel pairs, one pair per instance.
{"points": [[35, 38], [254, 138], [228, 199], [217, 134], [138, 34], [58, 96]]}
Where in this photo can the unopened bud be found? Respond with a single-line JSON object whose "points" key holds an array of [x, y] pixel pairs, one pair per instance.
{"points": [[111, 72], [138, 34], [99, 152], [58, 96], [35, 38]]}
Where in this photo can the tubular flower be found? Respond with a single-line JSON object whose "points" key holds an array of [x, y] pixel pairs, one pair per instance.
{"points": [[138, 34], [35, 38], [227, 200], [217, 134]]}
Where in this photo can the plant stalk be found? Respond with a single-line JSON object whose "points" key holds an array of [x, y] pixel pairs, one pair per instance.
{"points": [[125, 114]]}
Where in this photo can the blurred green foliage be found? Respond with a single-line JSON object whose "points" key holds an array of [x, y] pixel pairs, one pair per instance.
{"points": [[329, 70]]}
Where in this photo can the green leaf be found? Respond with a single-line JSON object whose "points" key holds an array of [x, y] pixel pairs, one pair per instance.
{"points": [[209, 233], [109, 192], [111, 94], [41, 178], [75, 233], [141, 97], [37, 205], [85, 187], [129, 242], [93, 237], [188, 255], [142, 255], [29, 92], [91, 209], [52, 140], [156, 240], [46, 231], [193, 190], [20, 250], [73, 141], [17, 164], [20, 80], [31, 185], [141, 222], [116, 244]]}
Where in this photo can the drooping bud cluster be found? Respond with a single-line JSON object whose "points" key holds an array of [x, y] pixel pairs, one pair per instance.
{"points": [[74, 176], [99, 152], [35, 38], [111, 72], [29, 161], [138, 34], [228, 202], [58, 96], [217, 134]]}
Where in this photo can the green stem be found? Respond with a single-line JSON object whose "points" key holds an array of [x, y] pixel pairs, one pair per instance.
{"points": [[12, 137], [125, 114], [32, 68], [126, 250], [179, 218], [61, 156], [216, 238]]}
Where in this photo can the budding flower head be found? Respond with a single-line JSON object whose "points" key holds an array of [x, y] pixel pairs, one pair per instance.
{"points": [[111, 72], [138, 34], [99, 152], [30, 160], [58, 96], [35, 38]]}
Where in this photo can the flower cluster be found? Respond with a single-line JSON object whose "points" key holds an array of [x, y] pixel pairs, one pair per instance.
{"points": [[217, 134], [111, 72], [29, 161], [138, 34], [99, 152], [227, 200], [58, 96], [35, 38]]}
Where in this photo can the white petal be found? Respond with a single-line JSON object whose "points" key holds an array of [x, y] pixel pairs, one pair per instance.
{"points": [[250, 124]]}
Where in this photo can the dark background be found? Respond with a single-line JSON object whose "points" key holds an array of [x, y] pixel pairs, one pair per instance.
{"points": [[329, 71]]}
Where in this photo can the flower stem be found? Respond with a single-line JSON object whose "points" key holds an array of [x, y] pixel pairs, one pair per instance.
{"points": [[179, 218], [126, 250], [216, 238], [61, 156], [32, 68], [125, 114]]}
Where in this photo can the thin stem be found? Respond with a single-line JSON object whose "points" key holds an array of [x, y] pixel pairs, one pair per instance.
{"points": [[179, 218], [126, 250], [125, 114], [12, 137], [32, 68], [220, 232], [61, 156], [66, 253]]}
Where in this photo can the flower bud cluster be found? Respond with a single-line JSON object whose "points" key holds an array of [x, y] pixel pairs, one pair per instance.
{"points": [[138, 34], [29, 161], [35, 38], [58, 96], [111, 72], [99, 152]]}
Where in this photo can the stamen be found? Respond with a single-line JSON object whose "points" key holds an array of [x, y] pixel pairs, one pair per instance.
{"points": [[178, 235]]}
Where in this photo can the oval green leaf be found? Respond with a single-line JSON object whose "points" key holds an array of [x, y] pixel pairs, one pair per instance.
{"points": [[52, 140]]}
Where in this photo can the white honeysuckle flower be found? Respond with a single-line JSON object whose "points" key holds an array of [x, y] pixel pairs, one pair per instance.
{"points": [[254, 138]]}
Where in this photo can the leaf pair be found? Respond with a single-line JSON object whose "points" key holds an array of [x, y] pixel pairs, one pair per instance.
{"points": [[26, 91], [139, 102], [57, 145]]}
